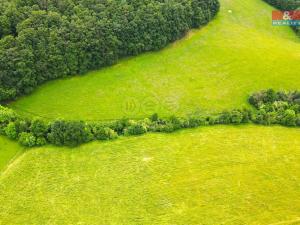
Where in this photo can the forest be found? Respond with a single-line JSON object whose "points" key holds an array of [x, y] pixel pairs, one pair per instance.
{"points": [[45, 40]]}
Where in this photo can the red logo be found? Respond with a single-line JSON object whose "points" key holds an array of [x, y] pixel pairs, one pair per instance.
{"points": [[286, 15]]}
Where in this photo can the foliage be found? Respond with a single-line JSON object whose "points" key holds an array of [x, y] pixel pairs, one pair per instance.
{"points": [[42, 41], [27, 139], [69, 133], [284, 4], [276, 107], [11, 131], [39, 128], [272, 108], [135, 128], [101, 132]]}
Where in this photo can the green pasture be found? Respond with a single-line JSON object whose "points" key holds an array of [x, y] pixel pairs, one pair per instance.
{"points": [[211, 175], [217, 175], [211, 69], [8, 151]]}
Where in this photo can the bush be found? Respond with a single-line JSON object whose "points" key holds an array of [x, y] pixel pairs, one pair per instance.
{"points": [[259, 98], [119, 126], [276, 107], [289, 118], [6, 116], [236, 117], [167, 128], [211, 120], [224, 118], [39, 128], [22, 125], [195, 121], [298, 119], [27, 139], [154, 117], [135, 128], [69, 133], [177, 123], [40, 141], [103, 133], [11, 131]]}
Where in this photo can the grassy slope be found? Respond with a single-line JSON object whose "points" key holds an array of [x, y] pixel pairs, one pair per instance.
{"points": [[8, 150], [214, 68], [212, 175]]}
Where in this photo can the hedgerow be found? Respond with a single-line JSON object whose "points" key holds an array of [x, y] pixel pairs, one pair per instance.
{"points": [[41, 40], [271, 107]]}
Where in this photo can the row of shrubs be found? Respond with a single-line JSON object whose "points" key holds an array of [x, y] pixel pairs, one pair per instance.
{"points": [[272, 108], [37, 132]]}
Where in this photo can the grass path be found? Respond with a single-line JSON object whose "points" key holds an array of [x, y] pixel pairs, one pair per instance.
{"points": [[212, 69], [212, 175], [9, 151]]}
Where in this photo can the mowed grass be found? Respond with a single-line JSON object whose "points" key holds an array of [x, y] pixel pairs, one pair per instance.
{"points": [[8, 151], [211, 175], [211, 69]]}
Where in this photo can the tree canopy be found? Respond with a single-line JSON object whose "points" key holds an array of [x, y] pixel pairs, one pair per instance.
{"points": [[42, 40]]}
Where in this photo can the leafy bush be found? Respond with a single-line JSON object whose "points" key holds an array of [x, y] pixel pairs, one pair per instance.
{"points": [[195, 121], [40, 141], [39, 128], [69, 133], [135, 128], [236, 117], [6, 116], [276, 107], [11, 131], [101, 132], [298, 120], [27, 139], [289, 118], [225, 118]]}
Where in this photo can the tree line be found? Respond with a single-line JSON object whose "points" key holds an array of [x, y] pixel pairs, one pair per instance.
{"points": [[284, 4], [41, 40], [270, 108]]}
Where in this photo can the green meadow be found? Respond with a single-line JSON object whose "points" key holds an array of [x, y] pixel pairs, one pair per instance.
{"points": [[9, 150], [212, 175], [215, 175], [211, 69]]}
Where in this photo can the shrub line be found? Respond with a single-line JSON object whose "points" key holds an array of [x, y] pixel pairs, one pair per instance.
{"points": [[270, 108]]}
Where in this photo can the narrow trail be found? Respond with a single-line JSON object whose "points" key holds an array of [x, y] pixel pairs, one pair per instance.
{"points": [[17, 157]]}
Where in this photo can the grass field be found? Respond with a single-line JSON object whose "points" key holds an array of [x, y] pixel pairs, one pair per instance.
{"points": [[213, 175], [219, 175], [212, 69], [8, 151]]}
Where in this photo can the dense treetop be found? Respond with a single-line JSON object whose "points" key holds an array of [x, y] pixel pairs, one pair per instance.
{"points": [[47, 39], [285, 4]]}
